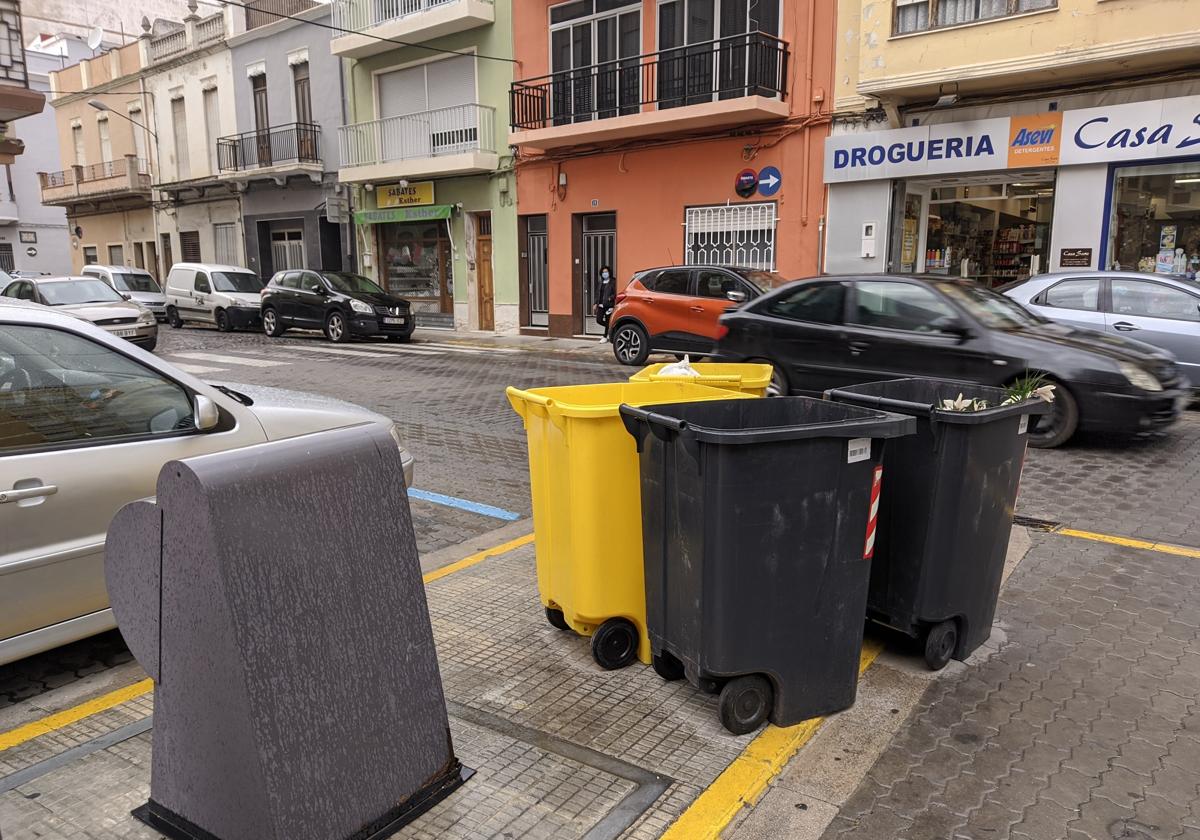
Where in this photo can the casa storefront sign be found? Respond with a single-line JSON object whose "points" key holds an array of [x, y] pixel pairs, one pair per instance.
{"points": [[1162, 128]]}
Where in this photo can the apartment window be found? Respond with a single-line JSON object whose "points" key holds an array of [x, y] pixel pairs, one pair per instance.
{"points": [[105, 140], [446, 86], [139, 260], [600, 40], [737, 234], [183, 170], [139, 133], [7, 263], [189, 245], [302, 93], [919, 15], [91, 255], [77, 143], [225, 243], [212, 127], [116, 255]]}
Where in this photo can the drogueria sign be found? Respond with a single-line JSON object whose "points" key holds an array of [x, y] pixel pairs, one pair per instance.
{"points": [[1164, 128]]}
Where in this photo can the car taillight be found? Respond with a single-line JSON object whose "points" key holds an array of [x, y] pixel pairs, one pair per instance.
{"points": [[620, 297], [722, 331]]}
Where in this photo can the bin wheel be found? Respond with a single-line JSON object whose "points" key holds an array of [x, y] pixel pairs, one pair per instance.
{"points": [[555, 617], [746, 703], [940, 642], [667, 667], [615, 644]]}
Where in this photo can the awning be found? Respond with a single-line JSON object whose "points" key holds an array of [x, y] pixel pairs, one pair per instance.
{"points": [[402, 214]]}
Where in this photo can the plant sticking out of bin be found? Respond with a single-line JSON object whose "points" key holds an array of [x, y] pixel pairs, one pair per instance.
{"points": [[1028, 387], [961, 403]]}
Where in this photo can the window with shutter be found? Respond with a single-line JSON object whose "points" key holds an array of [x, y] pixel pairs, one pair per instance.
{"points": [[189, 245], [179, 126]]}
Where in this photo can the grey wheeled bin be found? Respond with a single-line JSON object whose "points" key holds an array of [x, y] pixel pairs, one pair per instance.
{"points": [[946, 511], [756, 518]]}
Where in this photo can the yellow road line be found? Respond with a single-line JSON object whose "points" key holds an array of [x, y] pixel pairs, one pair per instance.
{"points": [[1148, 545], [479, 557], [748, 775], [74, 714]]}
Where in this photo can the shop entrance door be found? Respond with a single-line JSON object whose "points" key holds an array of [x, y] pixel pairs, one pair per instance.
{"points": [[599, 249], [906, 253], [287, 249], [537, 269]]}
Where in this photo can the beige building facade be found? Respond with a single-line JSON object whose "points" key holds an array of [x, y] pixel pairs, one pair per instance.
{"points": [[997, 139]]}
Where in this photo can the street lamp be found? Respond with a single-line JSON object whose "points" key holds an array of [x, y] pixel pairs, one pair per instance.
{"points": [[101, 106]]}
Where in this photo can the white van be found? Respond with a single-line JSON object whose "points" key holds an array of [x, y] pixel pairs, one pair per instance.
{"points": [[225, 295], [134, 284]]}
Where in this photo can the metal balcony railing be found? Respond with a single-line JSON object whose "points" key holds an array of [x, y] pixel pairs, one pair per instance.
{"points": [[281, 144], [362, 14], [754, 64], [444, 131], [128, 174]]}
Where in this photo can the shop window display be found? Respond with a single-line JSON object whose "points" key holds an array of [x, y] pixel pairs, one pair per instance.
{"points": [[416, 261], [1155, 223]]}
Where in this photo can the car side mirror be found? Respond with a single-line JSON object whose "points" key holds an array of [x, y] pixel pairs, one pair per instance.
{"points": [[736, 295], [318, 289], [205, 412], [958, 329]]}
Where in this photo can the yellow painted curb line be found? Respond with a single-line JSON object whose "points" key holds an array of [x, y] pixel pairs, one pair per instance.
{"points": [[74, 714], [747, 776], [68, 716], [1148, 545]]}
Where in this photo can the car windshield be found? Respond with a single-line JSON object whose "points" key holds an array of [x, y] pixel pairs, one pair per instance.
{"points": [[989, 308], [128, 281], [237, 281], [764, 281], [342, 281], [68, 292]]}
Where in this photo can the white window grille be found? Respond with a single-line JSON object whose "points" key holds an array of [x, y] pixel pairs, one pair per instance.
{"points": [[731, 234]]}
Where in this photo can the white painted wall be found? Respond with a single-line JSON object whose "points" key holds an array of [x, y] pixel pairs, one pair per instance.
{"points": [[1079, 200], [201, 217], [191, 78], [850, 205]]}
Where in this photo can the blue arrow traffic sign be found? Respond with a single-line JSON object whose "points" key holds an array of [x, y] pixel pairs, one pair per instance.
{"points": [[769, 181]]}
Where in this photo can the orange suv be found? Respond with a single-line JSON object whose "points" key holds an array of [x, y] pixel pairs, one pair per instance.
{"points": [[675, 309]]}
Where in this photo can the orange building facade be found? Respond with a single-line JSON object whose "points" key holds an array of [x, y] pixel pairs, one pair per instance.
{"points": [[665, 132]]}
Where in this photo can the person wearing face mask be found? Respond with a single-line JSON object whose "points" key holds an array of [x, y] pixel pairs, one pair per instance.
{"points": [[605, 300]]}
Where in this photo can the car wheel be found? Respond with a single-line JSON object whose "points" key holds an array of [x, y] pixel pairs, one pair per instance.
{"points": [[1047, 431], [272, 325], [335, 328], [223, 321], [631, 346], [173, 318]]}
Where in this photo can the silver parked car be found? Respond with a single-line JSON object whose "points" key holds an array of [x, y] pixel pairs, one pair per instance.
{"points": [[134, 284], [1160, 310], [86, 423], [90, 299]]}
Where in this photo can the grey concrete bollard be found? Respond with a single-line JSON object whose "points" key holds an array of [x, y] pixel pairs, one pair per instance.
{"points": [[274, 594]]}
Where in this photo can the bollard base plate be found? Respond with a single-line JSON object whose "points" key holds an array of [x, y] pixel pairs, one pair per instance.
{"points": [[175, 827]]}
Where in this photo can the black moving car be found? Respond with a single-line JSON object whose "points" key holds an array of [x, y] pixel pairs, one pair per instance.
{"points": [[827, 332], [341, 304]]}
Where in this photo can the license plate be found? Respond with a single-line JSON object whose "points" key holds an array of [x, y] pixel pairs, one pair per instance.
{"points": [[393, 320], [124, 333]]}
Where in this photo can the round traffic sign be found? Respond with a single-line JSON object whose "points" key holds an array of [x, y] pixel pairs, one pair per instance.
{"points": [[746, 183], [769, 181]]}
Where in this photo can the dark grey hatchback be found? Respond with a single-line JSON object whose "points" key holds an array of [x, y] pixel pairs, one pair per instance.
{"points": [[341, 304], [827, 332]]}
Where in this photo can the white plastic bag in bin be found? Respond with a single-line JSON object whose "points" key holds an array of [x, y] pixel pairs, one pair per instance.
{"points": [[681, 368]]}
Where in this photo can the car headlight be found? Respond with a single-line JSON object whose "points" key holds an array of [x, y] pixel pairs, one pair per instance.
{"points": [[1139, 377], [359, 306], [146, 318]]}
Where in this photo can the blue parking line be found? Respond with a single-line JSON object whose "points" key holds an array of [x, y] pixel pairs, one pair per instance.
{"points": [[464, 504]]}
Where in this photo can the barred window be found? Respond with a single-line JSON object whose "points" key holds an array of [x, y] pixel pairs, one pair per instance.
{"points": [[731, 234]]}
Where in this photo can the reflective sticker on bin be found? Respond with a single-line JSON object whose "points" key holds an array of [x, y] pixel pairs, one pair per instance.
{"points": [[873, 517], [1024, 427], [859, 449]]}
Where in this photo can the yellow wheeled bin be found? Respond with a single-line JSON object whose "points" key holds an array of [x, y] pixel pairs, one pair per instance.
{"points": [[587, 508], [751, 379]]}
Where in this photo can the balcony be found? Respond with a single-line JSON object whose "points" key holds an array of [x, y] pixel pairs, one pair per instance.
{"points": [[733, 81], [460, 140], [276, 152], [194, 34], [412, 21], [16, 99], [126, 180]]}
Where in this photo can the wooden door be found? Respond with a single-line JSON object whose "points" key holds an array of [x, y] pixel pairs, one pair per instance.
{"points": [[483, 273]]}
